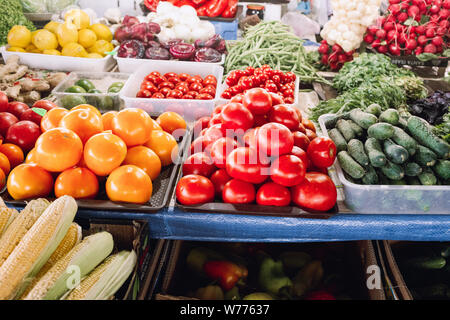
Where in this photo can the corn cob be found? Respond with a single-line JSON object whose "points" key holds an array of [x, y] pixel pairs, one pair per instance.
{"points": [[106, 279], [2, 203], [71, 239], [36, 247], [86, 256], [7, 216], [19, 227]]}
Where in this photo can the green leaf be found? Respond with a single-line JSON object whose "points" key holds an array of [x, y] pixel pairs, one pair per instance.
{"points": [[427, 57], [39, 111], [424, 19], [447, 53], [411, 22]]}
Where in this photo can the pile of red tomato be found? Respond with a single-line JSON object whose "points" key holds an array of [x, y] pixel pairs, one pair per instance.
{"points": [[256, 149], [177, 86], [274, 81]]}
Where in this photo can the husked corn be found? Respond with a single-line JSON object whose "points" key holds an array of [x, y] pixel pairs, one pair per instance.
{"points": [[7, 216]]}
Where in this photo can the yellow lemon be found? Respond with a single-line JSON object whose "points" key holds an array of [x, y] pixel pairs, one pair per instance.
{"points": [[44, 40], [94, 56], [102, 31], [78, 17], [67, 33], [52, 26], [74, 49], [19, 36], [31, 47], [52, 52], [16, 49], [87, 38], [100, 47]]}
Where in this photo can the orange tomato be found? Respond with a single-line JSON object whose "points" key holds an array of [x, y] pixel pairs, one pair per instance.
{"points": [[164, 145], [104, 152], [52, 118], [87, 107], [133, 126], [31, 156], [155, 125], [28, 181], [171, 121], [129, 184], [144, 158], [84, 122], [58, 149], [2, 179], [13, 153], [4, 164], [107, 119], [79, 183]]}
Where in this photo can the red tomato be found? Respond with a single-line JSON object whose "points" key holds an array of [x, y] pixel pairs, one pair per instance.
{"points": [[236, 117], [276, 98], [184, 76], [23, 134], [201, 124], [158, 80], [196, 86], [289, 100], [158, 95], [144, 94], [245, 164], [32, 115], [275, 139], [175, 80], [165, 91], [219, 179], [300, 153], [204, 96], [273, 194], [221, 149], [237, 191], [210, 82], [308, 124], [216, 119], [322, 152], [310, 134], [166, 84], [183, 89], [198, 163], [170, 75], [218, 109], [238, 98], [316, 192], [213, 134], [288, 170], [210, 77], [258, 101], [44, 104], [6, 120], [155, 73], [199, 145], [285, 115], [301, 128], [4, 104], [301, 140], [17, 108], [209, 90], [250, 137], [193, 94], [194, 189], [175, 94]]}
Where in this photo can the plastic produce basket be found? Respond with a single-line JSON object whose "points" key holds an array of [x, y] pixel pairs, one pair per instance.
{"points": [[61, 63], [189, 109], [102, 80], [391, 199]]}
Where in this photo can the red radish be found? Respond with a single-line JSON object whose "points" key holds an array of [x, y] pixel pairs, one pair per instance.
{"points": [[439, 49], [400, 28], [382, 49], [446, 4], [423, 7], [350, 53], [368, 38], [413, 11], [323, 49], [416, 2], [372, 29], [324, 42], [333, 58], [389, 25], [325, 59], [435, 18], [336, 48], [333, 66], [404, 5], [381, 34], [434, 9], [394, 8], [394, 49], [342, 58], [430, 33], [402, 17], [437, 41], [380, 21], [394, 1], [391, 36], [444, 13], [420, 29], [418, 51], [444, 24], [408, 52], [429, 48], [411, 44], [376, 43], [422, 40], [402, 38], [441, 31]]}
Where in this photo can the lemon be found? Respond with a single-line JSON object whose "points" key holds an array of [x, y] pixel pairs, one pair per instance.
{"points": [[52, 52], [44, 40], [94, 56], [67, 33], [30, 47], [74, 49], [52, 26], [16, 49], [78, 17], [19, 36], [102, 31], [87, 38], [100, 47]]}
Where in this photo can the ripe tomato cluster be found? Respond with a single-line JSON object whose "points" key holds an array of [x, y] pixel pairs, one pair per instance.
{"points": [[275, 81], [334, 56], [258, 150], [177, 86]]}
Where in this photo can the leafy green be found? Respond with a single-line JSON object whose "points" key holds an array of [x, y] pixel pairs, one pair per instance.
{"points": [[443, 129], [10, 15], [427, 57]]}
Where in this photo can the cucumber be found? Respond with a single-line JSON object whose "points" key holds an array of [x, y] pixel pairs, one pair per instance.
{"points": [[390, 116], [383, 179], [346, 130], [421, 131], [412, 169], [376, 157], [381, 131], [350, 166], [403, 139], [356, 129], [371, 176], [331, 122], [397, 154], [442, 169], [355, 149], [374, 109], [363, 119], [393, 171], [338, 139], [402, 123], [427, 177], [424, 156], [401, 182], [413, 181]]}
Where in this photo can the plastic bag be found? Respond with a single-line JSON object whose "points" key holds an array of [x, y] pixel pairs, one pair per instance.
{"points": [[56, 6], [34, 6], [302, 25]]}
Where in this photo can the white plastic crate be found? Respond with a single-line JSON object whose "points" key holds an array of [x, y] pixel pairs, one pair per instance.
{"points": [[189, 109], [61, 63]]}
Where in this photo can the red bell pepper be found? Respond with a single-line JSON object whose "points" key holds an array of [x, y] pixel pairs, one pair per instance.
{"points": [[226, 272], [181, 3], [201, 11], [216, 7], [231, 9], [199, 2]]}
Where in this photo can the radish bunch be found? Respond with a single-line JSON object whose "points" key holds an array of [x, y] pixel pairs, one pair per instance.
{"points": [[333, 55], [411, 27]]}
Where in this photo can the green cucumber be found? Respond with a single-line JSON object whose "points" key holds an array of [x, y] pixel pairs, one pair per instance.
{"points": [[424, 156], [397, 154], [374, 109], [427, 177], [376, 157], [332, 120], [403, 139], [412, 169], [371, 176], [402, 123], [401, 182], [363, 119], [442, 169], [390, 116], [381, 131], [393, 171], [346, 129], [350, 166], [421, 131], [355, 149], [356, 129], [338, 139]]}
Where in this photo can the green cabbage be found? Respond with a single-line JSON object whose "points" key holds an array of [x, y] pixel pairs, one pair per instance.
{"points": [[34, 6], [57, 6]]}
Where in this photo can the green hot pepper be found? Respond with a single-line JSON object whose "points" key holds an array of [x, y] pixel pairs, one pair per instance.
{"points": [[272, 278]]}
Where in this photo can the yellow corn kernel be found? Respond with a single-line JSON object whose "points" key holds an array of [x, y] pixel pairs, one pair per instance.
{"points": [[7, 216]]}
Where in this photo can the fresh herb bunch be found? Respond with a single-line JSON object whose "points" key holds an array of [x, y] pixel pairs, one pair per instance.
{"points": [[433, 108], [11, 14], [443, 130]]}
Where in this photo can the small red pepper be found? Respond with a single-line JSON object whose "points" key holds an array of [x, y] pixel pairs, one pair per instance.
{"points": [[216, 7], [226, 272], [231, 9], [201, 11], [198, 2]]}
